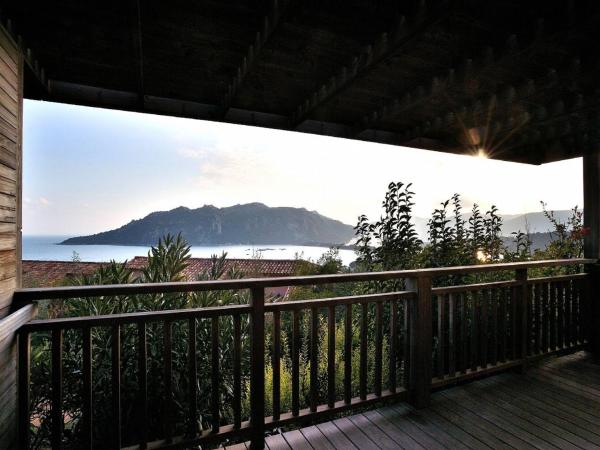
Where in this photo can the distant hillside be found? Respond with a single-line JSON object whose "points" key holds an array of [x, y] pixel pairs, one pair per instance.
{"points": [[253, 223], [539, 241], [534, 222]]}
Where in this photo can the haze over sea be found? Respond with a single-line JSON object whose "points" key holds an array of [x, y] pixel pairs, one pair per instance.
{"points": [[46, 248]]}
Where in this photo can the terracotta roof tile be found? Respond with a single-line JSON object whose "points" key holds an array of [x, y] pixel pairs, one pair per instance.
{"points": [[53, 273]]}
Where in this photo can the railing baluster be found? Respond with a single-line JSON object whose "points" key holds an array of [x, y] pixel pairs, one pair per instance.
{"points": [[378, 348], [521, 292], [503, 298], [513, 323], [363, 351], [484, 329], [474, 331], [57, 392], [276, 365], [530, 306], [568, 313], [143, 383], [579, 327], [575, 314], [552, 316], [257, 368], [536, 319], [215, 377], [87, 393], [24, 393], [493, 298], [237, 372], [331, 356], [560, 314], [168, 377], [348, 355], [392, 382], [295, 362], [314, 356], [451, 336], [407, 308], [545, 317], [441, 329], [116, 385], [192, 428], [464, 341]]}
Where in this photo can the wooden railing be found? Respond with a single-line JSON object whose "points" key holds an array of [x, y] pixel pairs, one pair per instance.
{"points": [[431, 335]]}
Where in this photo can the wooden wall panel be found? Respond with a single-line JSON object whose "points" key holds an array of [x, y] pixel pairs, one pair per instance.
{"points": [[11, 119], [11, 111]]}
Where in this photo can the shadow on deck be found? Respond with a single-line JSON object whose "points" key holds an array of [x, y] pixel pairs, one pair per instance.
{"points": [[555, 405]]}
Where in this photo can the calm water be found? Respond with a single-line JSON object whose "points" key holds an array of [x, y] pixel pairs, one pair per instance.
{"points": [[46, 248]]}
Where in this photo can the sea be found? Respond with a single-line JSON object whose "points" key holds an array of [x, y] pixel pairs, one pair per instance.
{"points": [[47, 248]]}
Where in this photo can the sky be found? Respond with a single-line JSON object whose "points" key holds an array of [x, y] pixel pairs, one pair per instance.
{"points": [[87, 170]]}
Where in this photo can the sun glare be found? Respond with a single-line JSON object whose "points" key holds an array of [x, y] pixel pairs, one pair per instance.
{"points": [[481, 153]]}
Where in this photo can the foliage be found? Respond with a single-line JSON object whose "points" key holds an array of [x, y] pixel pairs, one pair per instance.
{"points": [[391, 242]]}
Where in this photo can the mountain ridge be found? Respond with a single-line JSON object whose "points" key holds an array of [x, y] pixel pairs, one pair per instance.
{"points": [[250, 223]]}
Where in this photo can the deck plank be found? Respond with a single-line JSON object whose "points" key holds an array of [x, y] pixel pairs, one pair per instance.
{"points": [[439, 428], [554, 405], [354, 434], [381, 439], [555, 415], [570, 404], [396, 419], [504, 403], [400, 436], [296, 440], [538, 400], [335, 436], [470, 425], [316, 439], [520, 428], [277, 442]]}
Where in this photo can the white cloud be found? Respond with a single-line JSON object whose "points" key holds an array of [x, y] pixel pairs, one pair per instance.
{"points": [[192, 153], [44, 201]]}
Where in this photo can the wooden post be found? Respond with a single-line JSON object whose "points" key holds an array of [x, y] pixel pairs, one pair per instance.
{"points": [[24, 368], [420, 342], [257, 369], [591, 249]]}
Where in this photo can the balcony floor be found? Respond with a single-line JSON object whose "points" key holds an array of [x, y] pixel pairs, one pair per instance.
{"points": [[555, 405]]}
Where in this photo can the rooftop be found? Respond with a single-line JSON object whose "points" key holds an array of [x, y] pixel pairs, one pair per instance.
{"points": [[53, 273]]}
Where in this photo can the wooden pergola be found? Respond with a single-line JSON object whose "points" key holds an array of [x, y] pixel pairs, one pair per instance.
{"points": [[517, 80]]}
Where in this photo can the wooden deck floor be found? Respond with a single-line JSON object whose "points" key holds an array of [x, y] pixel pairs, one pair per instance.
{"points": [[555, 405]]}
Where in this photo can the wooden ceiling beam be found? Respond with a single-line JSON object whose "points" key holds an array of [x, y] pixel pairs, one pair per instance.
{"points": [[370, 58], [270, 23], [29, 58], [138, 46], [456, 78], [504, 112]]}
